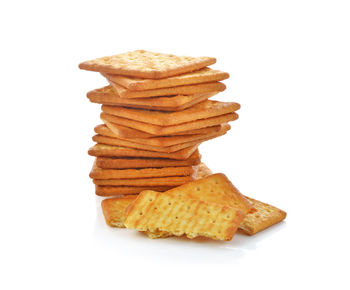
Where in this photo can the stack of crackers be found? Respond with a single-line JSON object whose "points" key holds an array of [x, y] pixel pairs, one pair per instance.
{"points": [[156, 112]]}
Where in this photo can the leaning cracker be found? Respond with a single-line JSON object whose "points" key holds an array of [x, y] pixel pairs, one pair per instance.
{"points": [[99, 173], [145, 64], [125, 163], [107, 96], [182, 90], [214, 188], [152, 181], [103, 190], [125, 132], [165, 141], [204, 75], [100, 150], [265, 216], [203, 110], [154, 211], [157, 130]]}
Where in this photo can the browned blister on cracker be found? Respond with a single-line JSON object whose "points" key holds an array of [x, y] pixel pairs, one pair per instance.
{"points": [[264, 216], [181, 90], [146, 64], [204, 75], [153, 211]]}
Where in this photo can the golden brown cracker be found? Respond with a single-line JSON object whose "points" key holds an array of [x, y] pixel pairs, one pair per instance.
{"points": [[145, 64], [154, 211], [152, 181], [120, 142], [101, 150], [174, 91], [125, 163], [100, 173], [114, 210], [103, 190], [204, 75], [265, 215], [203, 110], [214, 188], [125, 132], [107, 96], [157, 130], [166, 140]]}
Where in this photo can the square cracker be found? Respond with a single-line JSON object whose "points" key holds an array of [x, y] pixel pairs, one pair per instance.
{"points": [[101, 150], [203, 110], [125, 163], [107, 96], [166, 140], [125, 132], [100, 173], [145, 64], [151, 181], [181, 90], [120, 142], [264, 216], [102, 190], [176, 215], [204, 75], [157, 130]]}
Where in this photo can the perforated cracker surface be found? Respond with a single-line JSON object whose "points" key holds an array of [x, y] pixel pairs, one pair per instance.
{"points": [[146, 64], [153, 211]]}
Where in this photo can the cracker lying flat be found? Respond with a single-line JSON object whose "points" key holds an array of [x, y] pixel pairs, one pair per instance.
{"points": [[125, 132], [154, 211], [120, 142], [114, 210], [158, 130], [166, 140], [204, 75], [202, 110], [102, 190], [107, 96], [124, 163], [100, 173], [151, 181], [145, 64], [100, 150], [265, 216], [182, 90]]}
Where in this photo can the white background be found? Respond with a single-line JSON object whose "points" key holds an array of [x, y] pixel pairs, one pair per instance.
{"points": [[290, 70]]}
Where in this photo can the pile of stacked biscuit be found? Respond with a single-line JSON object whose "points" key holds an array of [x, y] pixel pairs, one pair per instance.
{"points": [[155, 112]]}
